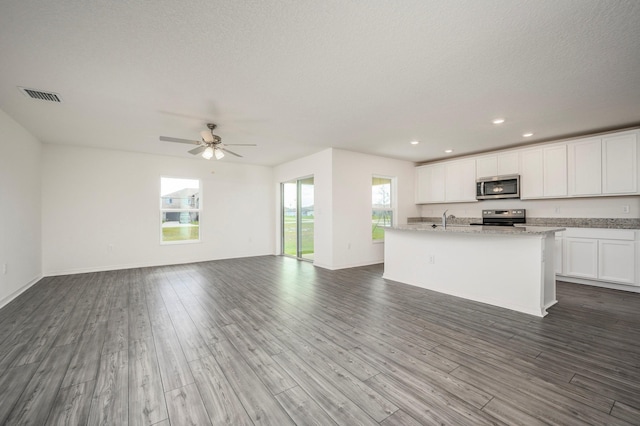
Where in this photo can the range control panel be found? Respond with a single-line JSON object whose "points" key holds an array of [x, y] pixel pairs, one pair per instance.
{"points": [[504, 214]]}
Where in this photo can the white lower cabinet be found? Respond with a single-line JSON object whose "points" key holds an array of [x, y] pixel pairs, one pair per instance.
{"points": [[608, 255], [616, 261], [581, 258]]}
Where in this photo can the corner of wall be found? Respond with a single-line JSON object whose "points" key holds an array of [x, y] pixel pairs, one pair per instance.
{"points": [[20, 228]]}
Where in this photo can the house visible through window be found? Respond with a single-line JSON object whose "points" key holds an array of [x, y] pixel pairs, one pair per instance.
{"points": [[179, 210], [382, 202]]}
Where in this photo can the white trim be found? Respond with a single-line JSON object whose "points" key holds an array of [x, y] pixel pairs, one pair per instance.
{"points": [[143, 265], [352, 265], [172, 243], [4, 302], [593, 283]]}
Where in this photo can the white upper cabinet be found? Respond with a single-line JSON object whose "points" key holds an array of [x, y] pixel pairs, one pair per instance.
{"points": [[589, 167], [449, 182], [498, 165], [509, 163], [543, 172], [460, 182], [487, 166], [585, 167], [531, 173], [620, 163], [430, 184], [603, 165], [555, 171]]}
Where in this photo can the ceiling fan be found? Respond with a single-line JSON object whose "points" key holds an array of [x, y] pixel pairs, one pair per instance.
{"points": [[211, 145]]}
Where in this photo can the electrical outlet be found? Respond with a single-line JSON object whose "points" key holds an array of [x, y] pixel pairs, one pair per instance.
{"points": [[4, 269], [625, 209], [110, 248], [557, 210], [432, 259]]}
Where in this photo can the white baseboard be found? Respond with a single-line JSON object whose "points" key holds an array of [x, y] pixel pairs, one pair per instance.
{"points": [[5, 301], [351, 265], [605, 284], [138, 265]]}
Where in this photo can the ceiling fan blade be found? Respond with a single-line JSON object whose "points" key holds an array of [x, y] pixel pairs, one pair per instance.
{"points": [[197, 150], [230, 152], [206, 136], [169, 139], [241, 144]]}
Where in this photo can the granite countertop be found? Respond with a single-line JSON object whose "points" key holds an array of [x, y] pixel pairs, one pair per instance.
{"points": [[615, 223], [482, 230]]}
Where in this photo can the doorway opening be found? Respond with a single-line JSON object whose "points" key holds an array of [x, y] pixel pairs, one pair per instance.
{"points": [[298, 220]]}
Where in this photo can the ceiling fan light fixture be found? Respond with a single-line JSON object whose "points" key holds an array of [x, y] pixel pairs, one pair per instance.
{"points": [[209, 145], [206, 135], [208, 153]]}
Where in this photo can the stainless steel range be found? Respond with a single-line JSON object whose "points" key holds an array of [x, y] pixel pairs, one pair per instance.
{"points": [[503, 217]]}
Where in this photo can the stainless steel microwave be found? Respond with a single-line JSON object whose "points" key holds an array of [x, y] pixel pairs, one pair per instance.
{"points": [[498, 187]]}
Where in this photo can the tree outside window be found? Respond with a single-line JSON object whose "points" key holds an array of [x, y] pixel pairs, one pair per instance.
{"points": [[382, 211]]}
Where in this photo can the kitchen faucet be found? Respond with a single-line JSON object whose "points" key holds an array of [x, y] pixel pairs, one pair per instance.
{"points": [[444, 219]]}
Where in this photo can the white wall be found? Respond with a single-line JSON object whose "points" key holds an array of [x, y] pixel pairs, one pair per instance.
{"points": [[352, 173], [20, 206], [94, 198], [319, 166], [343, 203], [596, 207]]}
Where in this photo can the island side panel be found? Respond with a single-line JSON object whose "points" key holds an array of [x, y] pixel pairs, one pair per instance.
{"points": [[549, 271], [500, 270]]}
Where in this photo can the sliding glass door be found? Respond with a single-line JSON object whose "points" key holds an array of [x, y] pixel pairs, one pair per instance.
{"points": [[298, 218]]}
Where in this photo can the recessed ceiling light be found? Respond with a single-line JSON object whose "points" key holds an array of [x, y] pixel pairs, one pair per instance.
{"points": [[414, 142], [527, 135], [498, 121], [448, 151]]}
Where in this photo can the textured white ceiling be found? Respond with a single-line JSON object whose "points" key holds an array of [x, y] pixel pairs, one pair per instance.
{"points": [[299, 76]]}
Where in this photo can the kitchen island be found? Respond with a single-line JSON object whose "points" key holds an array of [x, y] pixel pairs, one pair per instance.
{"points": [[510, 267]]}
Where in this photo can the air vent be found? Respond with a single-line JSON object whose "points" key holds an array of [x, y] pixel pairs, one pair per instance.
{"points": [[40, 94]]}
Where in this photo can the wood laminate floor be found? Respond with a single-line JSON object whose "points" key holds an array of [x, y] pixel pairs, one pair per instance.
{"points": [[274, 341]]}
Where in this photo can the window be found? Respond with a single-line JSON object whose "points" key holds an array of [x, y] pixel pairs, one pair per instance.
{"points": [[298, 220], [382, 210], [179, 210]]}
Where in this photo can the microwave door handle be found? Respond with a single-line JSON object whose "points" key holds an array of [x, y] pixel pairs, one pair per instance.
{"points": [[482, 188]]}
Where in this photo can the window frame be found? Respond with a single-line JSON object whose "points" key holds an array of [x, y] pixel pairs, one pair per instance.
{"points": [[392, 203], [197, 210]]}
